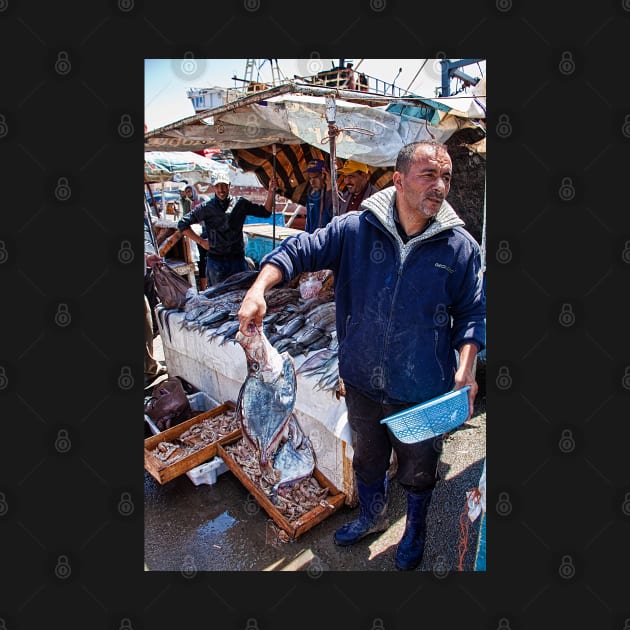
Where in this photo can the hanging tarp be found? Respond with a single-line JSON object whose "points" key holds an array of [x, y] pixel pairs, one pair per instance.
{"points": [[177, 165], [293, 117], [368, 134]]}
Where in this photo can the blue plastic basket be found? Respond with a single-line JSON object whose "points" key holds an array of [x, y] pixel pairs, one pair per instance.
{"points": [[431, 418]]}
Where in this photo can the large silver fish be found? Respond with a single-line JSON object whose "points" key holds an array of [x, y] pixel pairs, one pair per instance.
{"points": [[295, 459], [266, 398]]}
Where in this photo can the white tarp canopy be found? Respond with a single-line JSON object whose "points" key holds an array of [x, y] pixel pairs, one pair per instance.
{"points": [[368, 134], [160, 166], [276, 132]]}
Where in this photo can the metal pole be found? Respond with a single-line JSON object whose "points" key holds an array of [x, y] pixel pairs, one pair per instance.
{"points": [[331, 113], [273, 202]]}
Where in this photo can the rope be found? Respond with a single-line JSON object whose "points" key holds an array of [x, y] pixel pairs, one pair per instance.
{"points": [[462, 547]]}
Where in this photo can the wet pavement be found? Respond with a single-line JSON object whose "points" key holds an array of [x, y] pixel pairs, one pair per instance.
{"points": [[221, 527]]}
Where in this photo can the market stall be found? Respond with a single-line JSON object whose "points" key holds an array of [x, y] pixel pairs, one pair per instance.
{"points": [[274, 134], [219, 370]]}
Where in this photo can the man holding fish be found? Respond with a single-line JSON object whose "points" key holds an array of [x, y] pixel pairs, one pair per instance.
{"points": [[410, 318]]}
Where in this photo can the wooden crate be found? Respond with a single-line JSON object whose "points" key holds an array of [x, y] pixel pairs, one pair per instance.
{"points": [[296, 528], [163, 472]]}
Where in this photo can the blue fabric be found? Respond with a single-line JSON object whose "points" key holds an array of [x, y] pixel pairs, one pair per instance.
{"points": [[397, 342], [312, 210]]}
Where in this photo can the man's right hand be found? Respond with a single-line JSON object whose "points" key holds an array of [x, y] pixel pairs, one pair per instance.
{"points": [[253, 309]]}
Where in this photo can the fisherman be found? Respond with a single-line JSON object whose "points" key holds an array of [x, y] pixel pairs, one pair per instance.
{"points": [[223, 217], [410, 317], [356, 177], [319, 208]]}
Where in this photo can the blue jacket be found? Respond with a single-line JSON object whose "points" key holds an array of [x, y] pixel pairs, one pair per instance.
{"points": [[314, 202], [402, 310]]}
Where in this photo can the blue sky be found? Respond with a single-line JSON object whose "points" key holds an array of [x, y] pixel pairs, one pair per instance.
{"points": [[166, 80]]}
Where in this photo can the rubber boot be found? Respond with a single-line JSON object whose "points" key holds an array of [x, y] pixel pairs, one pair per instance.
{"points": [[372, 506], [411, 545]]}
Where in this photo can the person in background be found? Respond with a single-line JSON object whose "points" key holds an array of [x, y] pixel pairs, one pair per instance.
{"points": [[185, 202], [319, 208], [410, 318], [348, 76], [152, 368], [356, 177], [223, 217]]}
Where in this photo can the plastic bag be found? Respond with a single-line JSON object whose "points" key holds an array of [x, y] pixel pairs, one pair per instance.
{"points": [[170, 287]]}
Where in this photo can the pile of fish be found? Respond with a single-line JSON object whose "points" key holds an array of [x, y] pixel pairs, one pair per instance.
{"points": [[292, 324], [277, 454]]}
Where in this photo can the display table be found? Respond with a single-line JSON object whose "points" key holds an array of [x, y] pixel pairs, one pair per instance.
{"points": [[220, 370]]}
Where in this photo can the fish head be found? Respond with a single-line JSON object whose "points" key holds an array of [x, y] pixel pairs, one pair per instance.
{"points": [[263, 360]]}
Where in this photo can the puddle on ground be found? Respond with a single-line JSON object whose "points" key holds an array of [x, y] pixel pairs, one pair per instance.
{"points": [[217, 525]]}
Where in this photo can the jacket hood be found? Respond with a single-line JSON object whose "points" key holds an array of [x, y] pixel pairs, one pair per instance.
{"points": [[381, 205]]}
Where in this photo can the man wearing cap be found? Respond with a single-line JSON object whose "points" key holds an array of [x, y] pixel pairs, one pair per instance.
{"points": [[222, 217], [319, 200], [410, 320], [357, 180]]}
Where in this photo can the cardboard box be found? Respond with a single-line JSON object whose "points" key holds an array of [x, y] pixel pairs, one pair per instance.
{"points": [[334, 500], [163, 472]]}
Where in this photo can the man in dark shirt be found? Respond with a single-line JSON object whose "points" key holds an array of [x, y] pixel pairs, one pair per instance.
{"points": [[223, 217]]}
